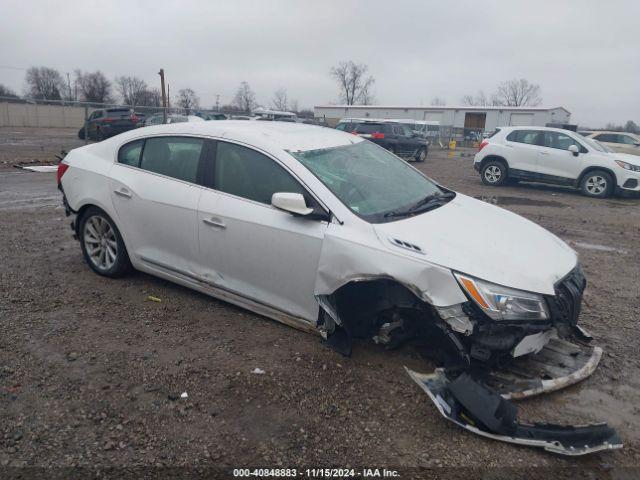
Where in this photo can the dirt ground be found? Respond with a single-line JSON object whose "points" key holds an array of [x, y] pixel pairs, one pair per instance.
{"points": [[91, 371]]}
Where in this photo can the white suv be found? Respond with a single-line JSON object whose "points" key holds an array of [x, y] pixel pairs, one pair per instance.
{"points": [[562, 157]]}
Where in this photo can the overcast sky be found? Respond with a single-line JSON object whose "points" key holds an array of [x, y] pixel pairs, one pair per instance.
{"points": [[584, 54]]}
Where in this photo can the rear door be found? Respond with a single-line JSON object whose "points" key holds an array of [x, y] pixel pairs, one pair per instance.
{"points": [[155, 191], [248, 246], [523, 147], [556, 162]]}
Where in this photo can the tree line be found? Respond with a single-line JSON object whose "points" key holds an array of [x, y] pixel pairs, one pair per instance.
{"points": [[354, 82], [45, 83]]}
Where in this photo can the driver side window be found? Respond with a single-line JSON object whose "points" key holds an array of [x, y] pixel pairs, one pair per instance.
{"points": [[246, 173]]}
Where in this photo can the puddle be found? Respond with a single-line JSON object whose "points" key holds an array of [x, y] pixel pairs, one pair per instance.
{"points": [[504, 200], [598, 248]]}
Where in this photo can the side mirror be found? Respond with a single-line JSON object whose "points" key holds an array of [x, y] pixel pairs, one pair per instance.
{"points": [[574, 149], [291, 202]]}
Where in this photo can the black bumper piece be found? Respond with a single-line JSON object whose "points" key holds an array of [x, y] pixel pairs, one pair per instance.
{"points": [[473, 406]]}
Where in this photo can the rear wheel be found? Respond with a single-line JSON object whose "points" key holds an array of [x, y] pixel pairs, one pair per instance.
{"points": [[494, 173], [81, 133], [102, 245], [597, 183], [99, 135], [421, 155]]}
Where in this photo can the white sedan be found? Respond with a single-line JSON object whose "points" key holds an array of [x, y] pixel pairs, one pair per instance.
{"points": [[328, 232]]}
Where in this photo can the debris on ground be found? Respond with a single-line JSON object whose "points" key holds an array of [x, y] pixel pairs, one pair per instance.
{"points": [[257, 371], [152, 298]]}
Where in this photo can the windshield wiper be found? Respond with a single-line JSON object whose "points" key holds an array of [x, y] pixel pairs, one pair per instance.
{"points": [[427, 203]]}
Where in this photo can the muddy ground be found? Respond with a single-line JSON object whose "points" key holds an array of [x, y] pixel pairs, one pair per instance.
{"points": [[91, 371]]}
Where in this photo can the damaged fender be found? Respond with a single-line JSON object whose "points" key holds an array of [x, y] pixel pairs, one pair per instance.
{"points": [[474, 407]]}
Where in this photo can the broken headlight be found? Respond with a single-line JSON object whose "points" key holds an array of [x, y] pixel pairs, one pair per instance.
{"points": [[504, 303]]}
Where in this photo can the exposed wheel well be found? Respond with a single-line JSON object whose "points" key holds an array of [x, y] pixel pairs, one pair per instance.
{"points": [[390, 313], [494, 158], [593, 169]]}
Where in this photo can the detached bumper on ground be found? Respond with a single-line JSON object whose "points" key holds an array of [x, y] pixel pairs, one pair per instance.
{"points": [[479, 403]]}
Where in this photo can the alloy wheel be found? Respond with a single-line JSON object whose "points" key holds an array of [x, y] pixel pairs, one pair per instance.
{"points": [[596, 185], [493, 174], [100, 242]]}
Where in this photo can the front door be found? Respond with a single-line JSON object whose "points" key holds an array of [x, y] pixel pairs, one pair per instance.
{"points": [[248, 246], [556, 163]]}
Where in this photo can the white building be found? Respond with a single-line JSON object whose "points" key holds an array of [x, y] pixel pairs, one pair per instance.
{"points": [[477, 118]]}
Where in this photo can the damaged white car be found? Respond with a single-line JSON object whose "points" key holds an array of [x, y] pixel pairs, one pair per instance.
{"points": [[328, 232]]}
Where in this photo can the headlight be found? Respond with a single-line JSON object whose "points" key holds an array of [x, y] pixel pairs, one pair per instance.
{"points": [[504, 303], [628, 166]]}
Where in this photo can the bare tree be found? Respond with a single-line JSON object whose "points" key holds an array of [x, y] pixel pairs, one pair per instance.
{"points": [[481, 100], [150, 98], [280, 100], [94, 87], [294, 106], [245, 99], [131, 89], [7, 92], [631, 127], [188, 100], [44, 83], [438, 102], [354, 84], [519, 93]]}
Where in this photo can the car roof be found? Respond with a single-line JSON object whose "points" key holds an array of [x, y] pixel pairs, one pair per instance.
{"points": [[534, 127], [593, 132], [265, 135]]}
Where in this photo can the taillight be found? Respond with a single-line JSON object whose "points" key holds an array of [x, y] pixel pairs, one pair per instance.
{"points": [[62, 167], [483, 144], [134, 118], [377, 135]]}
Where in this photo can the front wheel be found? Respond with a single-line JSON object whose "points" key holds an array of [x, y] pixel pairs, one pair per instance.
{"points": [[597, 183], [494, 173], [421, 155], [102, 245]]}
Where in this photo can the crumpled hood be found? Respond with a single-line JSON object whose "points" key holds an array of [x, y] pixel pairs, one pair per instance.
{"points": [[485, 241]]}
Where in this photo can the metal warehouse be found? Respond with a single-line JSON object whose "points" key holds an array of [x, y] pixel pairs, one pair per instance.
{"points": [[464, 117]]}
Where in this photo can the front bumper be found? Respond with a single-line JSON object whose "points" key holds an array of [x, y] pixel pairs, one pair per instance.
{"points": [[470, 404]]}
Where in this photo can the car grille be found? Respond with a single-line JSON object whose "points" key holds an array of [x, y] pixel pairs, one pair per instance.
{"points": [[565, 305]]}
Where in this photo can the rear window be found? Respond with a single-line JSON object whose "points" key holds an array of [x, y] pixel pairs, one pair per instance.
{"points": [[176, 157], [123, 112], [369, 128], [524, 136], [130, 153]]}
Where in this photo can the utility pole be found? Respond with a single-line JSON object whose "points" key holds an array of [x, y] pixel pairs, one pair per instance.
{"points": [[168, 97], [164, 97], [69, 85], [217, 103]]}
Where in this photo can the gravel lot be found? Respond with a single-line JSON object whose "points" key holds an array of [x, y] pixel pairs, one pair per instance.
{"points": [[91, 371]]}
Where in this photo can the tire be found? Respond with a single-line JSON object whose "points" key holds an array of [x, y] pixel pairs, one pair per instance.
{"points": [[102, 245], [494, 173], [597, 184], [421, 154], [81, 133], [99, 135]]}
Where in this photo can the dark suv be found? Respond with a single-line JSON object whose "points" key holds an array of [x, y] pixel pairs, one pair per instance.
{"points": [[394, 137], [109, 122]]}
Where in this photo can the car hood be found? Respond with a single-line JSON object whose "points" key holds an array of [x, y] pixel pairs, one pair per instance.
{"points": [[485, 241], [628, 157]]}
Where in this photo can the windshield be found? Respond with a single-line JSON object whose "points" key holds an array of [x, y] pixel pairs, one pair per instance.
{"points": [[596, 145], [375, 184]]}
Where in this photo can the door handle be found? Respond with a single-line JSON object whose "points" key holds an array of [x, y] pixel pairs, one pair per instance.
{"points": [[123, 192], [214, 222]]}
